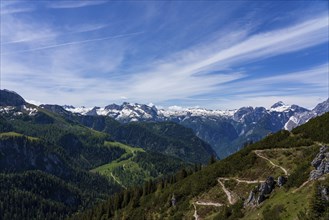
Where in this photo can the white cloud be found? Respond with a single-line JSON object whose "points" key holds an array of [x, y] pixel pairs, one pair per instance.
{"points": [[306, 88], [14, 30], [74, 4], [261, 46], [315, 75], [72, 43], [312, 79], [85, 27], [13, 7], [179, 79]]}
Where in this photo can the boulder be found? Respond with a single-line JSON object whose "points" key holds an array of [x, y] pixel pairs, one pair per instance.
{"points": [[281, 180], [251, 200], [324, 191], [259, 194], [267, 187]]}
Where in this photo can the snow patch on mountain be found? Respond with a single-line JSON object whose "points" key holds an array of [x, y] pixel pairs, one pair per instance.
{"points": [[30, 110], [280, 107], [14, 110], [174, 111], [127, 110], [81, 110], [300, 118]]}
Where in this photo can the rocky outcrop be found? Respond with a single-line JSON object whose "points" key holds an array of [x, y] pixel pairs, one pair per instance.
{"points": [[265, 189], [281, 180], [260, 193], [252, 200], [320, 163], [324, 192]]}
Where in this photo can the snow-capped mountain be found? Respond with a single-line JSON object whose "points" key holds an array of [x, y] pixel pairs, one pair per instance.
{"points": [[300, 118], [226, 131], [128, 112], [13, 104]]}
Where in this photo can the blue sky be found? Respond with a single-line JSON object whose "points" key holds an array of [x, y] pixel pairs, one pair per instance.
{"points": [[213, 54]]}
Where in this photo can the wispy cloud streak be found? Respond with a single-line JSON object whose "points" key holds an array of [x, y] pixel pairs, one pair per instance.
{"points": [[13, 7], [73, 43], [181, 79], [273, 43], [74, 4]]}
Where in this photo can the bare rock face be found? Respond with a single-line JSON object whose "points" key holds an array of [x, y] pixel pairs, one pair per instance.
{"points": [[320, 163], [265, 189], [10, 98], [260, 193], [251, 201]]}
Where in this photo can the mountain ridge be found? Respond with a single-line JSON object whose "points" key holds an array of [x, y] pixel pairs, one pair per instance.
{"points": [[226, 131], [246, 124]]}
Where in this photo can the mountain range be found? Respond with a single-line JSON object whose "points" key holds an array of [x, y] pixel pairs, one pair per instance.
{"points": [[226, 131]]}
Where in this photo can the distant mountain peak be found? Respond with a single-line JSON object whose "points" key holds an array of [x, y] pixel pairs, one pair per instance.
{"points": [[322, 107], [10, 98], [280, 107], [278, 104], [68, 107]]}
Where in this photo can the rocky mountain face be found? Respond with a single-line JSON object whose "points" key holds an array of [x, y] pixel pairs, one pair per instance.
{"points": [[320, 163], [10, 98], [300, 118], [226, 131]]}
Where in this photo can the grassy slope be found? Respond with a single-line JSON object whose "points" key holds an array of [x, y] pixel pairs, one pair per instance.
{"points": [[125, 163], [14, 134], [292, 203], [164, 137], [136, 165]]}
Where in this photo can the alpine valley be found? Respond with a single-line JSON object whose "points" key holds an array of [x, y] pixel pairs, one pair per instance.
{"points": [[135, 161]]}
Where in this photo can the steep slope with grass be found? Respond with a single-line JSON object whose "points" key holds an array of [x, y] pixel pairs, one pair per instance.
{"points": [[222, 189], [136, 166]]}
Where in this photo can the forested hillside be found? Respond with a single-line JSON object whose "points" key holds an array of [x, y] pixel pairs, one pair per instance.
{"points": [[161, 137], [52, 164]]}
